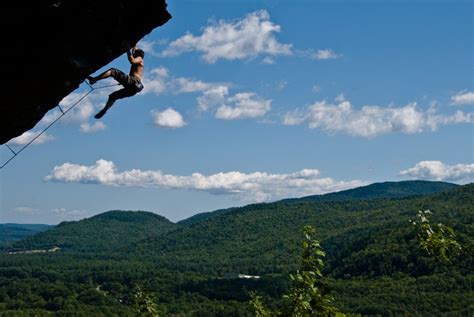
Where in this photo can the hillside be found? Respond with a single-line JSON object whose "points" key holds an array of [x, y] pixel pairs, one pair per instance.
{"points": [[376, 190], [104, 232], [10, 232], [204, 216], [374, 265], [262, 236], [370, 245], [380, 190]]}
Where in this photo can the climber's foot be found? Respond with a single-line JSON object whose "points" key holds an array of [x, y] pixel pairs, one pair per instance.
{"points": [[91, 80], [100, 114]]}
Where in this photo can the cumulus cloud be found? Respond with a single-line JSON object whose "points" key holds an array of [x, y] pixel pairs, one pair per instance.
{"points": [[214, 96], [268, 60], [257, 186], [433, 120], [25, 210], [246, 105], [26, 137], [155, 81], [149, 46], [437, 170], [321, 54], [248, 37], [86, 127], [371, 121], [211, 96], [463, 98], [168, 118], [183, 85], [70, 214], [324, 54], [80, 113]]}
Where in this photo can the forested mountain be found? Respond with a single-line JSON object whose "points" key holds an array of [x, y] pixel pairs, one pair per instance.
{"points": [[262, 238], [376, 190], [10, 232], [374, 265], [204, 215], [104, 232], [381, 190]]}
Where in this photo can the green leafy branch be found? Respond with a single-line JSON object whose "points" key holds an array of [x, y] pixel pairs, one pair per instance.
{"points": [[144, 303], [439, 240], [305, 297]]}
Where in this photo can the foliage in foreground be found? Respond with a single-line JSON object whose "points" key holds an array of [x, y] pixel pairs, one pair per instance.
{"points": [[439, 241], [307, 296]]}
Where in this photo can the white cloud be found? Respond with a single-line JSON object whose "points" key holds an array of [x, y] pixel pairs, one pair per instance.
{"points": [[295, 117], [26, 210], [71, 214], [238, 106], [86, 127], [433, 119], [251, 36], [149, 46], [160, 71], [81, 112], [213, 95], [436, 170], [155, 81], [168, 118], [268, 60], [186, 85], [324, 54], [371, 121], [245, 105], [27, 136], [463, 98], [257, 186]]}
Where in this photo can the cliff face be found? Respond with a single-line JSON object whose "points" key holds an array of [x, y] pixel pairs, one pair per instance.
{"points": [[51, 46]]}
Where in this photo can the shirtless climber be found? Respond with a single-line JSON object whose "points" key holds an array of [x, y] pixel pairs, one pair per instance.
{"points": [[132, 82]]}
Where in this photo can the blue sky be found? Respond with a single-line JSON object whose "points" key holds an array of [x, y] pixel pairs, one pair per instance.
{"points": [[251, 101]]}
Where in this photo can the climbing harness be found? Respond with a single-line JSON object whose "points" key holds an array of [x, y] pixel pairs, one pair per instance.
{"points": [[63, 113]]}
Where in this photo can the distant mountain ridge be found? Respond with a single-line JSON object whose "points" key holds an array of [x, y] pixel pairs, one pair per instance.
{"points": [[104, 232], [10, 232], [384, 190], [270, 231], [380, 190], [111, 229]]}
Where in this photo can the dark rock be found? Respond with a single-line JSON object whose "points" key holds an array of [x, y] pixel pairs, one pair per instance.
{"points": [[49, 47]]}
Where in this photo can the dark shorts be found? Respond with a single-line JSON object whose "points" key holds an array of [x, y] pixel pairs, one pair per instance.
{"points": [[131, 84]]}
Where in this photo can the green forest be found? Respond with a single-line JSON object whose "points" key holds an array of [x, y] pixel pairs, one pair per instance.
{"points": [[11, 231], [118, 262]]}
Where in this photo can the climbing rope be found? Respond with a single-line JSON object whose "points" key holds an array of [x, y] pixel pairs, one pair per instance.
{"points": [[63, 113]]}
